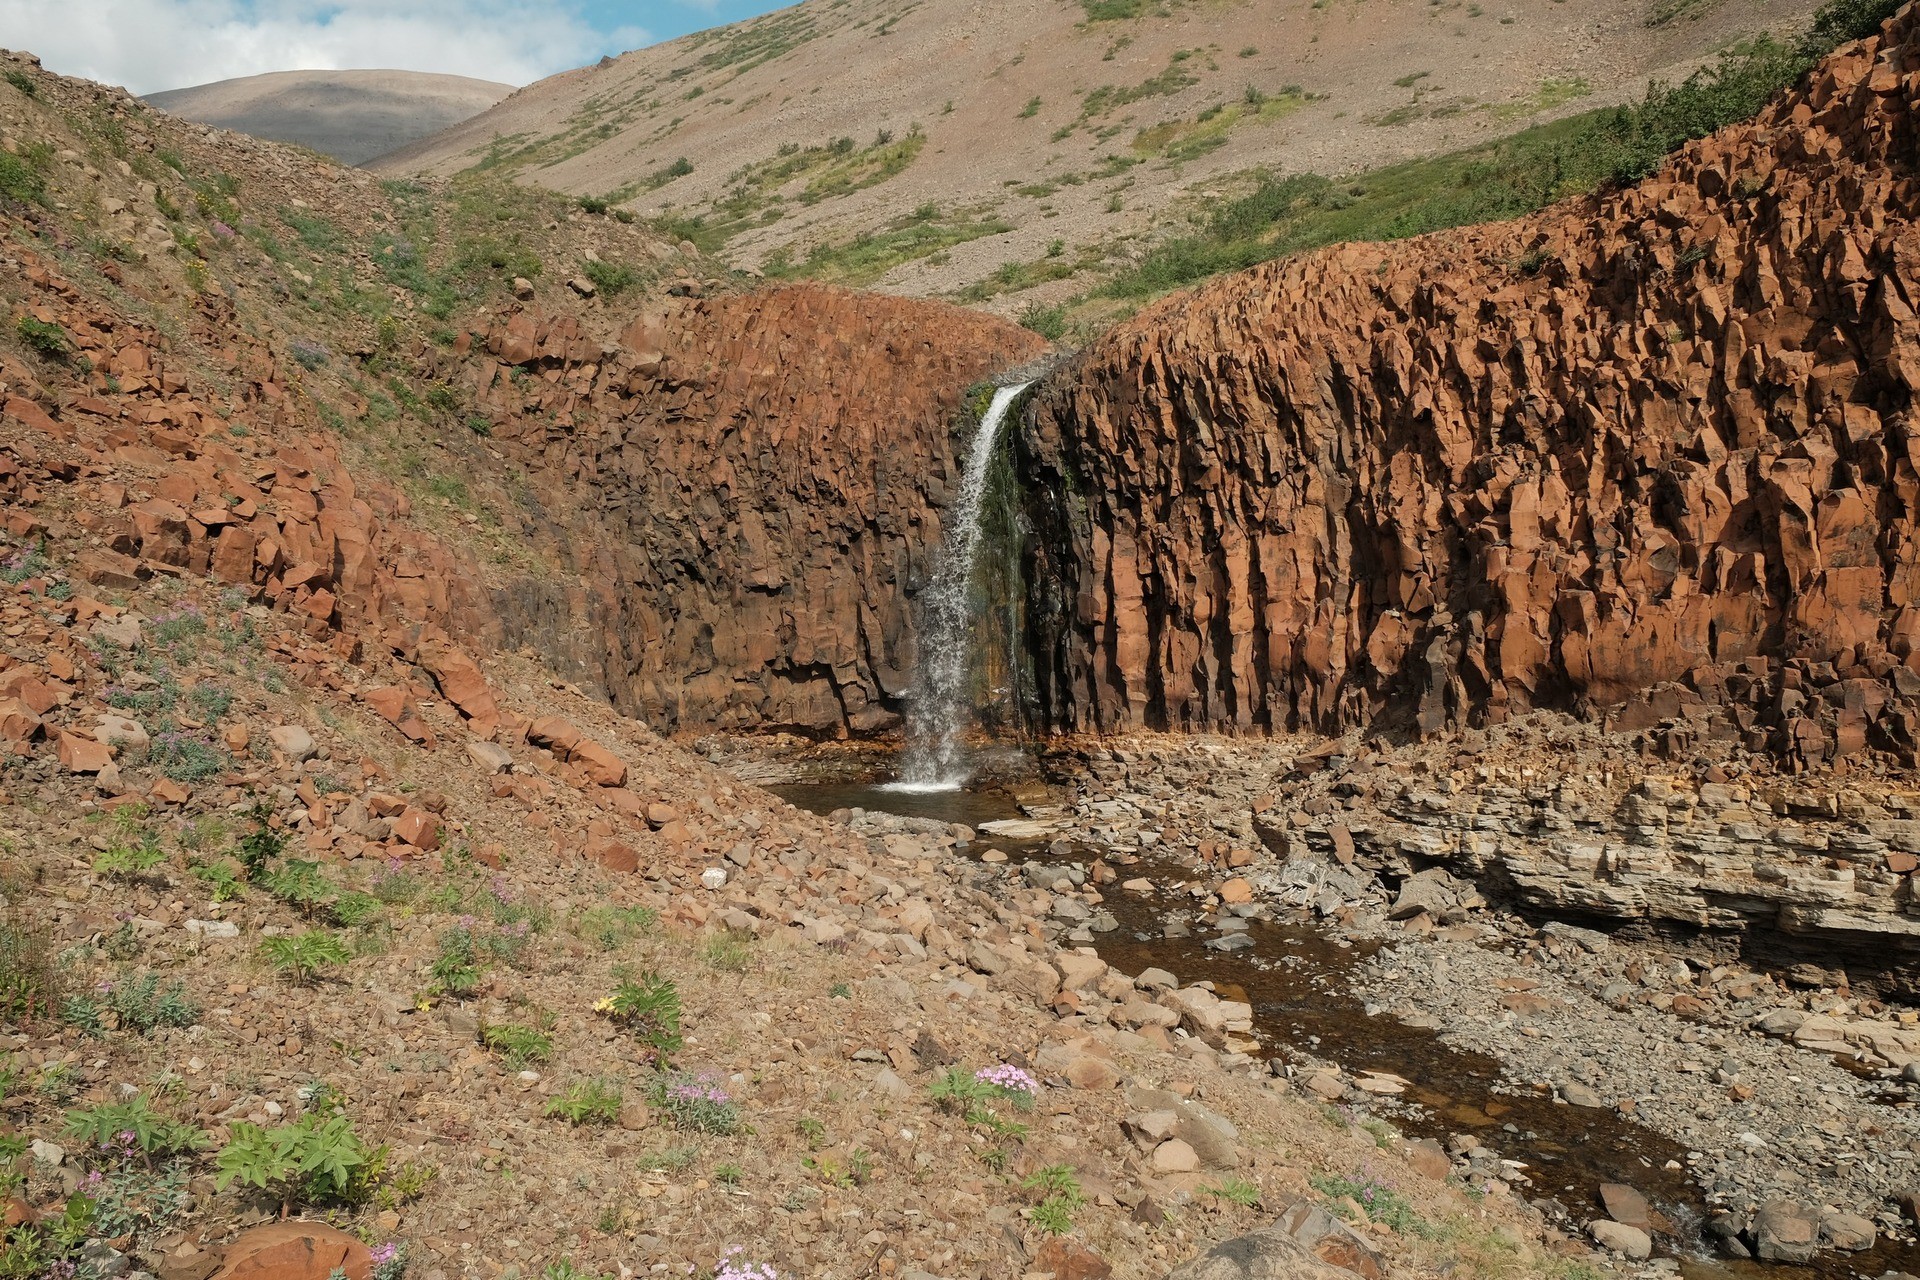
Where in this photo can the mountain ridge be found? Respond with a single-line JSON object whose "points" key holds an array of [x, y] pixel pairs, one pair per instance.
{"points": [[352, 115]]}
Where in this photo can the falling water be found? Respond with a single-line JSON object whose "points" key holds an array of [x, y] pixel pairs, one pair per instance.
{"points": [[939, 706]]}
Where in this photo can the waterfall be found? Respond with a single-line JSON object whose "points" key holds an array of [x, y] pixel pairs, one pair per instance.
{"points": [[939, 706]]}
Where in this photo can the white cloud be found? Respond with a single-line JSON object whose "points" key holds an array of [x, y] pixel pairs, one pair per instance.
{"points": [[148, 45]]}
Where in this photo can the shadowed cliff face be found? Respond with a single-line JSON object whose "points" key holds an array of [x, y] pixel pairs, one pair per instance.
{"points": [[750, 488], [1653, 448]]}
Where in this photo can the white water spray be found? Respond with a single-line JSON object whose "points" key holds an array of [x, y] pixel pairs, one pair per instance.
{"points": [[939, 706]]}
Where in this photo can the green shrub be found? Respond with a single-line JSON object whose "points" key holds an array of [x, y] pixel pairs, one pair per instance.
{"points": [[305, 956], [142, 1004], [648, 1007], [135, 1124], [48, 339], [610, 279], [20, 181], [23, 82], [31, 983], [262, 844], [314, 1158], [587, 1102], [517, 1045]]}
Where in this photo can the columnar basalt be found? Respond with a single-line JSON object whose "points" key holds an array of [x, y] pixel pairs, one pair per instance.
{"points": [[750, 486], [1653, 449]]}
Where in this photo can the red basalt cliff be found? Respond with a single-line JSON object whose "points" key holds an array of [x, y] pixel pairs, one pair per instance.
{"points": [[1652, 452], [749, 487]]}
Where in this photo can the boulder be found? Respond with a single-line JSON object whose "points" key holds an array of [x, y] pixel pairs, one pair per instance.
{"points": [[1785, 1232], [293, 742], [1620, 1238], [294, 1250]]}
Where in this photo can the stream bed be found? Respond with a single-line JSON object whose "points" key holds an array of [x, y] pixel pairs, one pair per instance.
{"points": [[1298, 977]]}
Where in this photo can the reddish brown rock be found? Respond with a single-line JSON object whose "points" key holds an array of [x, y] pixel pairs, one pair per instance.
{"points": [[1648, 450], [601, 766], [802, 444], [555, 733], [418, 828], [614, 855], [1065, 1258], [82, 755], [19, 723], [294, 1251]]}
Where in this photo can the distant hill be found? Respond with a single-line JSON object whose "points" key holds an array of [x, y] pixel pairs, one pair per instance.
{"points": [[976, 150], [352, 116]]}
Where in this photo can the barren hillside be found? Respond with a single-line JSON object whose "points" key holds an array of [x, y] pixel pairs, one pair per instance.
{"points": [[352, 116], [961, 138]]}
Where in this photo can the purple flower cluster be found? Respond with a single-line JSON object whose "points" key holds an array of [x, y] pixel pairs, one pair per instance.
{"points": [[221, 230], [1009, 1079], [733, 1267], [699, 1089], [389, 1261]]}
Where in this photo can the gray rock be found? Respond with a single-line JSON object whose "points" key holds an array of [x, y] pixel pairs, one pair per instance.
{"points": [[1785, 1232], [982, 958], [1847, 1231], [1618, 1237], [1304, 1243], [1578, 1095], [293, 742], [1431, 891], [1155, 980]]}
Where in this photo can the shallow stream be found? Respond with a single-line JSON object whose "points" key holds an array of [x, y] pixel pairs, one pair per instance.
{"points": [[1296, 978]]}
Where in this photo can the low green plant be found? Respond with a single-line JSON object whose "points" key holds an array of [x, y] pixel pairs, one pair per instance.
{"points": [[263, 843], [648, 1007], [517, 1045], [695, 1101], [610, 279], [456, 969], [142, 1004], [305, 956], [610, 926], [812, 1132], [1382, 1203], [44, 337], [132, 1126], [728, 1175], [587, 1102], [730, 951], [1060, 1194], [311, 1159], [300, 884], [23, 82], [221, 877], [1237, 1191], [31, 983]]}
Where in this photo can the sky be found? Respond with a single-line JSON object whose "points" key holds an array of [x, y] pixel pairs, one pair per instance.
{"points": [[148, 45]]}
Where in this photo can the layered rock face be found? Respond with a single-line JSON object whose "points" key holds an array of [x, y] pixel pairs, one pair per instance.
{"points": [[1654, 449], [750, 487]]}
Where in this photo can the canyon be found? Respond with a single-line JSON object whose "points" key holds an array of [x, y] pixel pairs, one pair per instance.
{"points": [[404, 579]]}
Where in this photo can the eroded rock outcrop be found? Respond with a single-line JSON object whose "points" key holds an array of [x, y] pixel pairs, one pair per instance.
{"points": [[1653, 449], [750, 486]]}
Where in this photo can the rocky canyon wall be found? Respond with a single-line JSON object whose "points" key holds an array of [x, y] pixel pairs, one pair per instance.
{"points": [[1653, 450], [749, 488]]}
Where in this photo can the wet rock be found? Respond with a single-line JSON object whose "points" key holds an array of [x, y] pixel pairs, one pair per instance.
{"points": [[1625, 1205]]}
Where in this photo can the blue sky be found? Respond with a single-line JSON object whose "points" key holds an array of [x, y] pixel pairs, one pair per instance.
{"points": [[148, 45]]}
